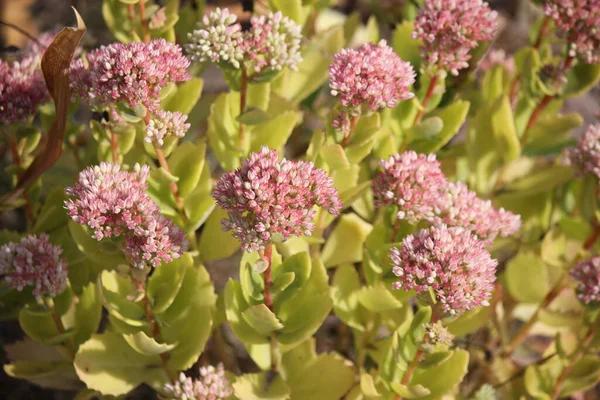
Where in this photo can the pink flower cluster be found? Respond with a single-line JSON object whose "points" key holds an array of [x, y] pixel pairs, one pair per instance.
{"points": [[450, 29], [462, 207], [451, 261], [412, 182], [133, 73], [586, 156], [415, 184], [212, 385], [34, 262], [114, 204], [579, 20], [272, 42], [268, 199], [498, 57], [166, 123], [372, 75], [588, 274], [22, 89]]}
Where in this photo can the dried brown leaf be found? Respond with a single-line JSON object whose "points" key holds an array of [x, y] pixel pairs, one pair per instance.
{"points": [[55, 67]]}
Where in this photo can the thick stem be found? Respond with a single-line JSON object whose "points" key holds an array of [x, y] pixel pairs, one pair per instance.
{"points": [[267, 256], [144, 20], [591, 240], [524, 331], [566, 372], [534, 117], [154, 326], [373, 328], [114, 147], [542, 33], [69, 346], [427, 98], [348, 137], [243, 96], [514, 88], [516, 341], [173, 186], [395, 231], [410, 370], [130, 12], [412, 367]]}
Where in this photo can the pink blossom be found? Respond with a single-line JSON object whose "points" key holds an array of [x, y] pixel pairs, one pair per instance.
{"points": [[462, 207], [587, 273], [268, 199], [372, 75], [164, 124], [133, 73], [34, 262], [158, 240], [158, 19], [22, 89], [113, 203], [450, 29], [452, 262], [412, 182], [497, 57], [585, 158], [579, 21], [211, 385], [272, 42]]}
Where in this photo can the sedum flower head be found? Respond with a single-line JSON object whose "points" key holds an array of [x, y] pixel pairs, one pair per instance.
{"points": [[268, 199], [217, 39], [113, 203], [22, 89], [450, 261], [585, 158], [164, 124], [436, 334], [212, 385], [34, 262], [498, 57], [578, 20], [587, 273], [413, 183], [450, 29], [273, 42], [158, 19], [463, 208], [372, 75], [133, 73], [110, 201]]}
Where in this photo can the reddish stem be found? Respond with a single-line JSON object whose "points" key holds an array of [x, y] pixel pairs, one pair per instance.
{"points": [[143, 20], [154, 326], [353, 121], [589, 243], [514, 88], [427, 98], [267, 256], [566, 372], [114, 146], [534, 117], [395, 231], [243, 96], [130, 12], [543, 32]]}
